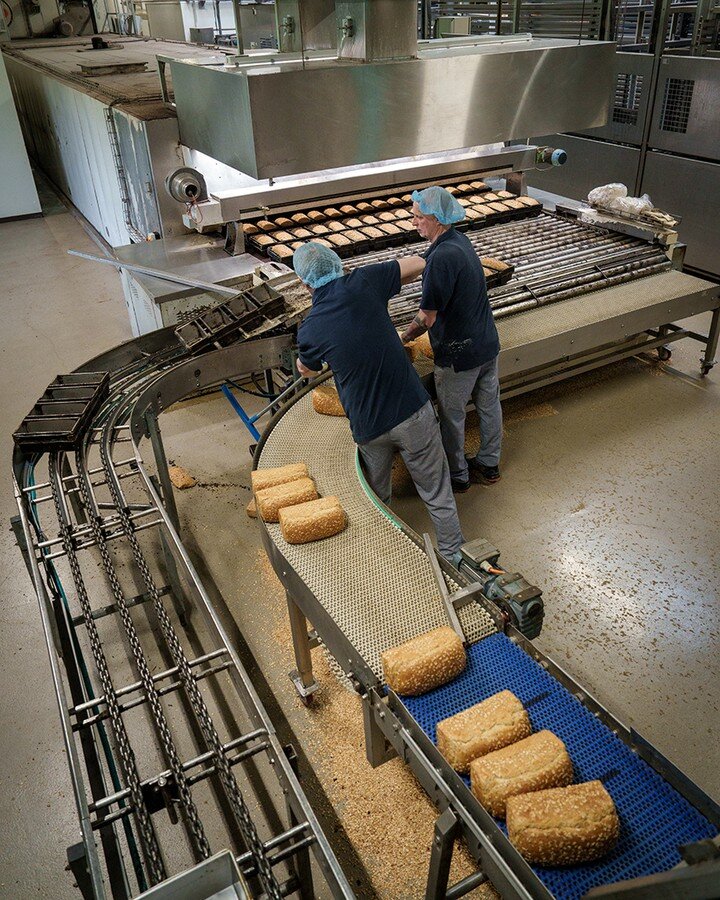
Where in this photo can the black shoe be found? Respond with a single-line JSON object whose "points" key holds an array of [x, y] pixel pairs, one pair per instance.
{"points": [[480, 474], [459, 487]]}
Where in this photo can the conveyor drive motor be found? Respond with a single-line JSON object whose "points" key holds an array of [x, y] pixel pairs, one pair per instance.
{"points": [[519, 599]]}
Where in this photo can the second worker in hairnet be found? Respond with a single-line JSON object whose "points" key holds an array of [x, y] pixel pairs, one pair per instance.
{"points": [[349, 328], [456, 310]]}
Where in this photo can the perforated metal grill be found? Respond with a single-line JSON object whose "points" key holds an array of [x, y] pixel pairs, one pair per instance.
{"points": [[628, 90], [677, 101], [372, 579]]}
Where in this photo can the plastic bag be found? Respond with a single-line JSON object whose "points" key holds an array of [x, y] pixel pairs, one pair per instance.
{"points": [[614, 197], [605, 195]]}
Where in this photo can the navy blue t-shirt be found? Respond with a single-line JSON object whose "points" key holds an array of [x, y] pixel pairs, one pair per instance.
{"points": [[349, 328], [464, 335]]}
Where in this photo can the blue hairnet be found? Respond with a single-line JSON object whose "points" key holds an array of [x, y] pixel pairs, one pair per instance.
{"points": [[436, 201], [316, 265]]}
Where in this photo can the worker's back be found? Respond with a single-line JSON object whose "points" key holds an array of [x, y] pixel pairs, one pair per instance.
{"points": [[349, 328], [464, 334]]}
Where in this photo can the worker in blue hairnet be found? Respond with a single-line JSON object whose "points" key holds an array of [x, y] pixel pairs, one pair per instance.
{"points": [[349, 328], [456, 310]]}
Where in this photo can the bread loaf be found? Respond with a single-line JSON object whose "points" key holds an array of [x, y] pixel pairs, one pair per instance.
{"points": [[478, 185], [402, 214], [491, 263], [284, 222], [326, 401], [353, 223], [282, 237], [336, 226], [332, 213], [496, 722], [316, 215], [379, 204], [389, 228], [272, 499], [249, 228], [301, 233], [265, 478], [370, 220], [266, 225], [355, 237], [348, 210], [424, 662], [300, 218], [529, 201], [282, 251], [339, 240], [464, 188], [423, 345], [405, 225], [312, 521], [563, 826], [319, 229], [537, 762]]}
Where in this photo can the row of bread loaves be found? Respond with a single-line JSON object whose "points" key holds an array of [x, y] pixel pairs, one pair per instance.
{"points": [[287, 494]]}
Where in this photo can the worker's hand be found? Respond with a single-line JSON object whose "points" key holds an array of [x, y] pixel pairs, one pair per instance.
{"points": [[304, 371]]}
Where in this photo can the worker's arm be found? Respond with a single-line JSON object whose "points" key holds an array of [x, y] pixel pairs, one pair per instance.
{"points": [[305, 371], [424, 319], [411, 267]]}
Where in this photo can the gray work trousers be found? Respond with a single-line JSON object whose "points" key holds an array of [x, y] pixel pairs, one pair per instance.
{"points": [[420, 445], [454, 391]]}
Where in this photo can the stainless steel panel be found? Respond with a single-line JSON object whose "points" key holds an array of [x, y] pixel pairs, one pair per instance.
{"points": [[689, 188], [135, 155], [629, 98], [685, 117], [590, 163], [377, 29], [290, 118], [580, 324], [315, 29]]}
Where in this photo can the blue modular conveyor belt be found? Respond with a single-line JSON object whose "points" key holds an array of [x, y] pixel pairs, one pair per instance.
{"points": [[655, 819]]}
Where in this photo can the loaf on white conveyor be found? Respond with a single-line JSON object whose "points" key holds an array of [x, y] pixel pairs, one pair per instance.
{"points": [[271, 500], [265, 478], [313, 520]]}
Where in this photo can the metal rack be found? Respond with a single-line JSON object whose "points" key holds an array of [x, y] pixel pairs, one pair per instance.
{"points": [[144, 775]]}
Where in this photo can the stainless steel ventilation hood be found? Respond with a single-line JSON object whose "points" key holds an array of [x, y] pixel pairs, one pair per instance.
{"points": [[273, 116]]}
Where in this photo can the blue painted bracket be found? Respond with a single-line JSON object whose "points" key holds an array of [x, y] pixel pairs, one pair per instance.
{"points": [[248, 421]]}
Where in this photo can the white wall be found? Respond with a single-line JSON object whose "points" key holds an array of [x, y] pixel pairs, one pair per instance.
{"points": [[18, 196]]}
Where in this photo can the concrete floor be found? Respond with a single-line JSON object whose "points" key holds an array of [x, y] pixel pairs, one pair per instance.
{"points": [[609, 502]]}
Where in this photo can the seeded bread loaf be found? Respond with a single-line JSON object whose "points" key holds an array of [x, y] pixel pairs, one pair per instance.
{"points": [[326, 401], [533, 764], [284, 222], [300, 218], [312, 521], [563, 826], [332, 213], [336, 226], [265, 478], [424, 662], [496, 722], [271, 500]]}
